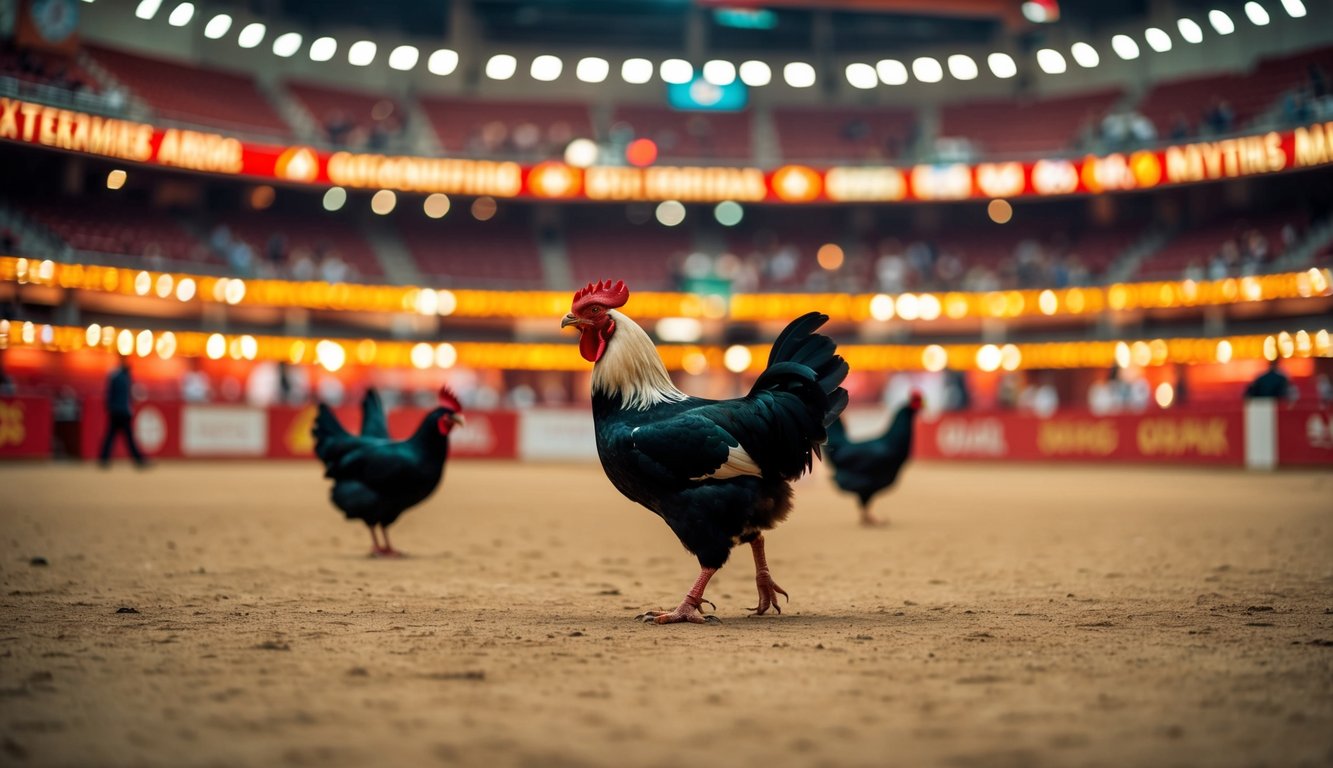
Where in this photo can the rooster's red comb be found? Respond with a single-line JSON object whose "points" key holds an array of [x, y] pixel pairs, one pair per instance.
{"points": [[601, 292], [449, 400]]}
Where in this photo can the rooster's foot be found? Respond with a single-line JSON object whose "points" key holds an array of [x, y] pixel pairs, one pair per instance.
{"points": [[768, 593], [870, 521], [388, 554], [689, 610]]}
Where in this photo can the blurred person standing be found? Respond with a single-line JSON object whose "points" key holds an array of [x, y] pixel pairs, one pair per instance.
{"points": [[119, 416], [1273, 383]]}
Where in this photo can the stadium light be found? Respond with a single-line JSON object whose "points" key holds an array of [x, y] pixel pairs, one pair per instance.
{"points": [[546, 68], [799, 74], [1051, 61], [217, 27], [501, 66], [1294, 8], [1257, 13], [927, 70], [1002, 65], [582, 153], [1157, 39], [1085, 55], [362, 53], [323, 49], [334, 198], [287, 44], [670, 213], [252, 35], [442, 62], [1125, 47], [1190, 31], [862, 76], [1221, 22], [891, 72], [728, 213], [636, 71], [720, 72], [676, 71], [181, 15], [436, 205], [404, 58], [962, 67], [756, 74], [383, 202], [147, 9], [1036, 13], [592, 70]]}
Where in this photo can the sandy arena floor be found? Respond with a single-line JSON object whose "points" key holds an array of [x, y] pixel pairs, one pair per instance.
{"points": [[1008, 617]]}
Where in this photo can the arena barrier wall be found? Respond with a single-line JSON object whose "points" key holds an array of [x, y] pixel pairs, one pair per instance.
{"points": [[1260, 434], [25, 427]]}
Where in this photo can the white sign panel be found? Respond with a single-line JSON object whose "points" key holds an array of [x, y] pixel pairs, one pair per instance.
{"points": [[556, 435], [208, 430]]}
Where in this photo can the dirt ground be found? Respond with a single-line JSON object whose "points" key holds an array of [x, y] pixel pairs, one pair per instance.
{"points": [[1008, 616]]}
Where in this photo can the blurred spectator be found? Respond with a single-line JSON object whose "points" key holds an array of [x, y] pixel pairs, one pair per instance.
{"points": [[1219, 118], [1180, 127], [332, 269], [120, 418], [1273, 383], [338, 127], [303, 267], [194, 385]]}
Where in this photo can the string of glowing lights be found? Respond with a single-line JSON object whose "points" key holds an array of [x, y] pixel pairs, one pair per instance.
{"points": [[468, 303], [334, 354]]}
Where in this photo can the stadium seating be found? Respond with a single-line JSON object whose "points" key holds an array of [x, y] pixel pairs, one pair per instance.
{"points": [[689, 136], [1197, 245], [318, 234], [491, 128], [115, 227], [811, 135], [458, 250], [1003, 127], [43, 68], [605, 247], [361, 112], [190, 93]]}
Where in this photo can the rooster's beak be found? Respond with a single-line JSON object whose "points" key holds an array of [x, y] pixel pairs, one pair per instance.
{"points": [[570, 320], [458, 419]]}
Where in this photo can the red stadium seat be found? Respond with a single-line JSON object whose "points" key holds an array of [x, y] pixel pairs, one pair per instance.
{"points": [[190, 93], [499, 128], [832, 134], [1002, 126], [690, 136], [461, 251]]}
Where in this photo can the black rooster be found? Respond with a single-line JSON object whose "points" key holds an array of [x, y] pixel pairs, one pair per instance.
{"points": [[868, 467], [375, 478], [718, 472]]}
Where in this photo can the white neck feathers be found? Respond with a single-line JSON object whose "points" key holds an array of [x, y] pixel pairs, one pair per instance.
{"points": [[632, 369]]}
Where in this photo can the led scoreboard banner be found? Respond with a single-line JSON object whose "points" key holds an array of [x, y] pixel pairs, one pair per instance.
{"points": [[166, 147]]}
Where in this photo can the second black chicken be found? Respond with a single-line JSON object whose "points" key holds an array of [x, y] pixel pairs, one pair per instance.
{"points": [[869, 467]]}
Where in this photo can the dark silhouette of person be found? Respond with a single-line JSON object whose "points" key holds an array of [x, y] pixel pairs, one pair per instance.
{"points": [[119, 417], [1272, 383]]}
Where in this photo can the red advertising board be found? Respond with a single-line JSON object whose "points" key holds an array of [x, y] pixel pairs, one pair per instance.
{"points": [[1184, 437], [25, 427], [156, 430], [51, 127], [1305, 436]]}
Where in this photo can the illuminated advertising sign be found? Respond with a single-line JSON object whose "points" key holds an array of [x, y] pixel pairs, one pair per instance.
{"points": [[201, 151]]}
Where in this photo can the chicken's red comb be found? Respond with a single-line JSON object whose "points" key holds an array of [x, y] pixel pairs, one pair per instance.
{"points": [[449, 400], [601, 292]]}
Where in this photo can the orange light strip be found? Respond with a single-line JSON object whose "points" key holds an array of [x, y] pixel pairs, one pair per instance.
{"points": [[334, 354], [905, 307]]}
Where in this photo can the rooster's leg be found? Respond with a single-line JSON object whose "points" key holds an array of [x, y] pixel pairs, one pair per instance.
{"points": [[868, 519], [768, 589], [375, 549], [388, 550], [690, 608]]}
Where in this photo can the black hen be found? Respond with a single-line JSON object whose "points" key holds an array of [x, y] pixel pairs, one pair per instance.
{"points": [[718, 472], [375, 478], [866, 468]]}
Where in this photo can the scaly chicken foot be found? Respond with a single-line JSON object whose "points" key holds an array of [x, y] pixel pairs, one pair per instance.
{"points": [[868, 518], [690, 609], [763, 580], [385, 551]]}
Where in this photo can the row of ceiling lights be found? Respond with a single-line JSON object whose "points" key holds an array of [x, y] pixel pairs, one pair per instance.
{"points": [[637, 71]]}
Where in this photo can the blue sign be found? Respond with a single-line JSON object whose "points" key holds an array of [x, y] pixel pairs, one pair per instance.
{"points": [[701, 95]]}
